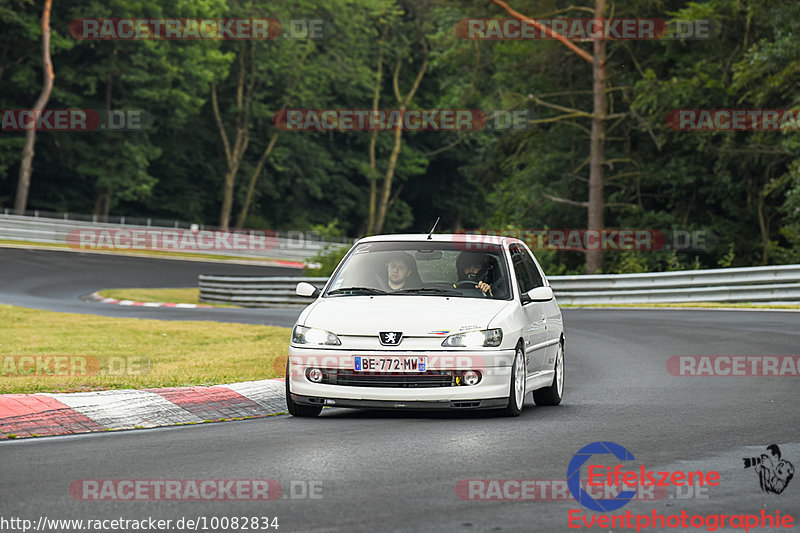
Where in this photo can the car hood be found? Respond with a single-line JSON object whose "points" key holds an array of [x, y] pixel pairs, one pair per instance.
{"points": [[425, 316]]}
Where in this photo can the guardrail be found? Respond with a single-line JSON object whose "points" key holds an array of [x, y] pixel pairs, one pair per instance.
{"points": [[283, 245], [248, 291], [755, 284]]}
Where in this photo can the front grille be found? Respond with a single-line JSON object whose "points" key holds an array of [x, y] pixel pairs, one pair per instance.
{"points": [[429, 378]]}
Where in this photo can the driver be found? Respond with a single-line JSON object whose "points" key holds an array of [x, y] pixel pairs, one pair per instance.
{"points": [[474, 266]]}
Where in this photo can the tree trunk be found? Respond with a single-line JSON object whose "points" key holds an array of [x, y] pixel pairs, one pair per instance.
{"points": [[102, 205], [763, 220], [373, 173], [404, 101], [26, 163], [764, 229], [386, 189], [594, 258], [253, 178], [271, 144], [234, 154], [227, 197]]}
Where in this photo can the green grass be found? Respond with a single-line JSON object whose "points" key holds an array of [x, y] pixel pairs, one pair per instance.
{"points": [[121, 353], [177, 296], [188, 295], [720, 305]]}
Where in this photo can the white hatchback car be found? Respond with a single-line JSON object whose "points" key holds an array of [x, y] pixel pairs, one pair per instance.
{"points": [[428, 322]]}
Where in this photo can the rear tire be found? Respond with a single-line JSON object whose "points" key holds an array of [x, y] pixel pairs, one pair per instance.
{"points": [[552, 395], [516, 392], [296, 409]]}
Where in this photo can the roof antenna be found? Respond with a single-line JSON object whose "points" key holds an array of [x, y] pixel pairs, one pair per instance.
{"points": [[433, 228]]}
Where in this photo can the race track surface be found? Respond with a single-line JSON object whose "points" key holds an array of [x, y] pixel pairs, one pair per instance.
{"points": [[398, 471], [56, 280]]}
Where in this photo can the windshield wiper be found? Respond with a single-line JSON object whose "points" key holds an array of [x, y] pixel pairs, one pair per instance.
{"points": [[429, 290], [356, 290]]}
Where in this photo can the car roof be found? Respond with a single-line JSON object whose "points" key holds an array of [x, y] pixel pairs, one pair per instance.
{"points": [[442, 237]]}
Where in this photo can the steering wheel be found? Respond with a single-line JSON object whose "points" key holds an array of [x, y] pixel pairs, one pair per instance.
{"points": [[467, 284]]}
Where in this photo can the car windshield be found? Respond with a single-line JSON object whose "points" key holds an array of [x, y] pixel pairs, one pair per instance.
{"points": [[444, 269]]}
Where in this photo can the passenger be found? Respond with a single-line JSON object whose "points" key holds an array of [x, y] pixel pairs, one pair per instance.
{"points": [[401, 272]]}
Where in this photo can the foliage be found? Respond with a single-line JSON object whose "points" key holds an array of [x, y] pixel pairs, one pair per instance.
{"points": [[741, 187], [325, 262]]}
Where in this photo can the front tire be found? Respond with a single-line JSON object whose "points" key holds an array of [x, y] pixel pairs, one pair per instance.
{"points": [[296, 409], [516, 393], [552, 395]]}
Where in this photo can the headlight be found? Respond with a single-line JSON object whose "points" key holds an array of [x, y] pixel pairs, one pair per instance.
{"points": [[304, 335], [471, 339]]}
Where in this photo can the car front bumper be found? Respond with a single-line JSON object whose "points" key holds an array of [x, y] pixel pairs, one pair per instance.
{"points": [[491, 392], [491, 403]]}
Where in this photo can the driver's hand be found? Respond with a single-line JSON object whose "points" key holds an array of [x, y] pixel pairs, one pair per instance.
{"points": [[485, 287]]}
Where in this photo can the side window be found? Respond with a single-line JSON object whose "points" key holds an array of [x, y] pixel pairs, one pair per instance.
{"points": [[528, 276], [530, 266], [521, 271]]}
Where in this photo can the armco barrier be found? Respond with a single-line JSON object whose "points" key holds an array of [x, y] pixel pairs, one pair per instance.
{"points": [[290, 246], [755, 284], [248, 291]]}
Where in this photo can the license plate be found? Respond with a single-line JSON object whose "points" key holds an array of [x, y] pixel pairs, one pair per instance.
{"points": [[390, 364]]}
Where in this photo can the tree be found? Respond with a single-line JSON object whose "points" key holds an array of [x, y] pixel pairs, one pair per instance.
{"points": [[403, 31], [163, 80], [26, 164], [594, 257], [737, 184]]}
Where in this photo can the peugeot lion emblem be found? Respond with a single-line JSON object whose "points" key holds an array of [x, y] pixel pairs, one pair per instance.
{"points": [[390, 338]]}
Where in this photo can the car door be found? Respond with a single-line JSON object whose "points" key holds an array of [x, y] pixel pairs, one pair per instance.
{"points": [[553, 323], [534, 332]]}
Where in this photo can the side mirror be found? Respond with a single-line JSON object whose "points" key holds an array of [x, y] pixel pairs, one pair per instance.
{"points": [[307, 290], [539, 294]]}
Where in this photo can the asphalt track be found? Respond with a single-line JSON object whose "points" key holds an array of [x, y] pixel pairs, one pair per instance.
{"points": [[398, 471], [56, 280]]}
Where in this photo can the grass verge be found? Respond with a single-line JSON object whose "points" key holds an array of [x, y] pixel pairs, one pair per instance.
{"points": [[176, 296], [119, 353]]}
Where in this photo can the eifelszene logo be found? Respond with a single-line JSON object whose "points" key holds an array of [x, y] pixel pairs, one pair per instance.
{"points": [[618, 477], [774, 473]]}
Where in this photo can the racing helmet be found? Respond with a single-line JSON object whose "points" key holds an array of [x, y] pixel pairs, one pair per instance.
{"points": [[468, 259]]}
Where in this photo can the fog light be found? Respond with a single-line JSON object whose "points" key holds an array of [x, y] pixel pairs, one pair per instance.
{"points": [[471, 377], [314, 375]]}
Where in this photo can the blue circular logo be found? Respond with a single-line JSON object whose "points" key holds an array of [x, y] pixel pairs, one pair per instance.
{"points": [[574, 476]]}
